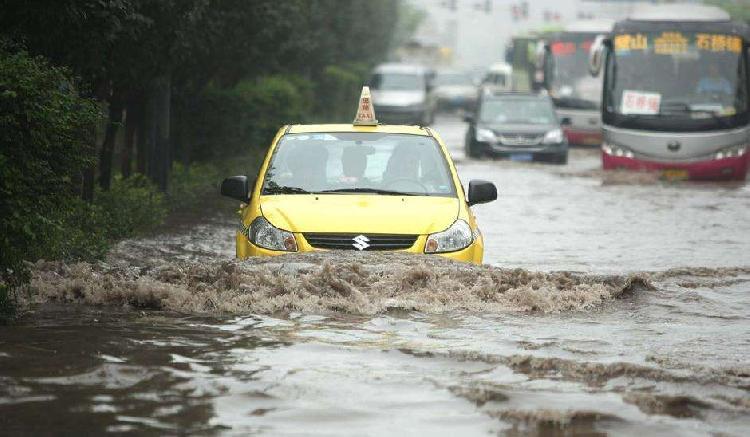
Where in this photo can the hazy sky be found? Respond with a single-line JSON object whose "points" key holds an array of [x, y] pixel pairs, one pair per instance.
{"points": [[478, 37]]}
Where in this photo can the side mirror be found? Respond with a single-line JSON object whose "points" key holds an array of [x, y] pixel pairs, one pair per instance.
{"points": [[236, 187], [566, 121], [596, 55], [481, 192]]}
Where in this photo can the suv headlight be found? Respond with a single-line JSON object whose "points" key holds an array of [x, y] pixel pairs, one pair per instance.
{"points": [[554, 136], [731, 152], [458, 236], [263, 234], [485, 135]]}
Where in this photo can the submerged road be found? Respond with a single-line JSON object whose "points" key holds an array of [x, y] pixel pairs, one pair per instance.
{"points": [[646, 330]]}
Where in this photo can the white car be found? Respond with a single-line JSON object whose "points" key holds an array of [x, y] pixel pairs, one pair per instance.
{"points": [[403, 94]]}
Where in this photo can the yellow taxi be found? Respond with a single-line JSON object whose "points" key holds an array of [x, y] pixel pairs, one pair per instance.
{"points": [[362, 187]]}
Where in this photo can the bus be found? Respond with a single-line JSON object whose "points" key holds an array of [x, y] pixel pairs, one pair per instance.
{"points": [[675, 93], [562, 69]]}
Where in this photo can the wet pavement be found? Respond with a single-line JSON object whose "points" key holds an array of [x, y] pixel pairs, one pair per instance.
{"points": [[612, 305]]}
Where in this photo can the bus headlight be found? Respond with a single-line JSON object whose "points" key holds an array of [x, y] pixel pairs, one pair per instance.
{"points": [[554, 136], [263, 234], [458, 236], [485, 135], [731, 152], [611, 149]]}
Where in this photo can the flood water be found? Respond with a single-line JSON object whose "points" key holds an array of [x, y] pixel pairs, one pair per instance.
{"points": [[611, 304]]}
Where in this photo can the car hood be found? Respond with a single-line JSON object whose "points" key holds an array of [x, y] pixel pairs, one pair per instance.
{"points": [[397, 97], [519, 128], [355, 213]]}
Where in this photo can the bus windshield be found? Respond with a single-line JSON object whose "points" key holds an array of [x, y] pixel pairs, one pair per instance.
{"points": [[571, 85], [677, 76]]}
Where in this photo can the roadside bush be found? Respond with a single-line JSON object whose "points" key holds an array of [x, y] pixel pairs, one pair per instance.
{"points": [[46, 142]]}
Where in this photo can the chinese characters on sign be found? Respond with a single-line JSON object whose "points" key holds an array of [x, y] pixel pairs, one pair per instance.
{"points": [[626, 42], [669, 43], [637, 102]]}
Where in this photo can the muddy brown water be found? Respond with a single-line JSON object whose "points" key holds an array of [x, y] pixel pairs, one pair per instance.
{"points": [[609, 305]]}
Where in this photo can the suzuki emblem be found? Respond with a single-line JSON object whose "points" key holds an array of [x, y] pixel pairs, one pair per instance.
{"points": [[360, 242]]}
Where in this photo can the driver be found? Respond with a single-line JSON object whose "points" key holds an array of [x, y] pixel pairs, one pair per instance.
{"points": [[714, 83], [403, 164]]}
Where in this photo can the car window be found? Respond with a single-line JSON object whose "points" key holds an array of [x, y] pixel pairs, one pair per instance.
{"points": [[358, 161], [397, 81], [449, 79], [496, 79], [517, 111]]}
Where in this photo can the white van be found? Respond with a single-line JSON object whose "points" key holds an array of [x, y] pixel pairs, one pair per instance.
{"points": [[499, 77]]}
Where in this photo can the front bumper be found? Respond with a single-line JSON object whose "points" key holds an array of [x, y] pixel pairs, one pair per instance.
{"points": [[538, 152], [734, 168], [471, 254], [583, 137]]}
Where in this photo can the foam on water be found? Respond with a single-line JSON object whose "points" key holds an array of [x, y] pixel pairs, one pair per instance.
{"points": [[355, 283]]}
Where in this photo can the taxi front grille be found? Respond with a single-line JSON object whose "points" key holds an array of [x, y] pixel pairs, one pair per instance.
{"points": [[360, 241]]}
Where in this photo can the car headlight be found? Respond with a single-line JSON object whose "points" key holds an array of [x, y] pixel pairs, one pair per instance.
{"points": [[458, 236], [485, 135], [611, 149], [263, 234], [731, 152], [554, 136]]}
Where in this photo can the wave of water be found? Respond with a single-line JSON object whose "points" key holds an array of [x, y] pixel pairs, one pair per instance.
{"points": [[355, 283]]}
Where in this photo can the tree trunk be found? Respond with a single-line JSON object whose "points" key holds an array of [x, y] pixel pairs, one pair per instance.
{"points": [[131, 123], [141, 135], [108, 145], [161, 130], [88, 176], [87, 188]]}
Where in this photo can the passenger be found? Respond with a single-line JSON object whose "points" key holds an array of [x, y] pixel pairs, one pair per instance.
{"points": [[714, 83], [354, 164]]}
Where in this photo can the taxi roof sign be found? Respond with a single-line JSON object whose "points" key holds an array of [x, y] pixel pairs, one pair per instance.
{"points": [[365, 110]]}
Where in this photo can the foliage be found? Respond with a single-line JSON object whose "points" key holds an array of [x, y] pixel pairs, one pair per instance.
{"points": [[7, 305], [223, 123], [338, 91], [46, 142]]}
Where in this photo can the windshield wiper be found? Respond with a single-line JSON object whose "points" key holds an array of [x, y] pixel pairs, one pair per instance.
{"points": [[369, 190], [284, 190]]}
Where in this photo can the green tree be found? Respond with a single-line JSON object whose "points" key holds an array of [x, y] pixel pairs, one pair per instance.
{"points": [[46, 142]]}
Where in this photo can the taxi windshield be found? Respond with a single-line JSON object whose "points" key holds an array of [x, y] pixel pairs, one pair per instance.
{"points": [[358, 162]]}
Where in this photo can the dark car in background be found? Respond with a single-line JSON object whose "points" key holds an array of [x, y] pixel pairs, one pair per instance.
{"points": [[518, 126]]}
